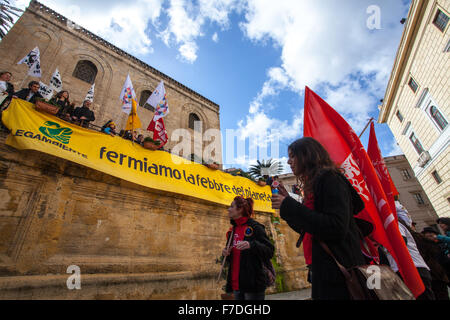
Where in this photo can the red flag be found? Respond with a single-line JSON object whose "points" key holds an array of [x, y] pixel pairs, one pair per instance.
{"points": [[325, 125], [374, 153], [159, 131]]}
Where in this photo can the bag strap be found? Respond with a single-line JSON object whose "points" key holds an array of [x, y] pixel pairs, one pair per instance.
{"points": [[300, 239], [340, 266]]}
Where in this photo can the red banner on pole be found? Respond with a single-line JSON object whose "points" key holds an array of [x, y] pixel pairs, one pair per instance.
{"points": [[374, 153], [159, 131], [325, 125]]}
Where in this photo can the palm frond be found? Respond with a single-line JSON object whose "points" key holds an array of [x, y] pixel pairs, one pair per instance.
{"points": [[6, 16]]}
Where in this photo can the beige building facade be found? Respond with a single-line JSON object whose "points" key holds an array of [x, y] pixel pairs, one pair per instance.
{"points": [[83, 59], [416, 105], [411, 194]]}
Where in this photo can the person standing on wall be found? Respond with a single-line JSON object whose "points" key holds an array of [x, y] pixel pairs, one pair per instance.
{"points": [[250, 247]]}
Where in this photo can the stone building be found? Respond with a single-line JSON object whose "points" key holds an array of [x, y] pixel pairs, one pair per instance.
{"points": [[84, 58], [416, 104], [411, 194]]}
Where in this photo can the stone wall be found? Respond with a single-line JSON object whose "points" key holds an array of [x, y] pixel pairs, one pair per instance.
{"points": [[130, 242]]}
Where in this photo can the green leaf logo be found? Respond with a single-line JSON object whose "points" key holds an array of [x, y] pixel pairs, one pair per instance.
{"points": [[54, 131]]}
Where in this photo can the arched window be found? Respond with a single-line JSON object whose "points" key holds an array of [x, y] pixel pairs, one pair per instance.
{"points": [[192, 119], [86, 71], [143, 101], [438, 118]]}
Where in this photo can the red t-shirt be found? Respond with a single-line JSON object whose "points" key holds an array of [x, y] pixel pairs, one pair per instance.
{"points": [[239, 232], [307, 240]]}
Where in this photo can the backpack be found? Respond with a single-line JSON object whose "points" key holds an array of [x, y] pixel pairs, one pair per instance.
{"points": [[269, 272]]}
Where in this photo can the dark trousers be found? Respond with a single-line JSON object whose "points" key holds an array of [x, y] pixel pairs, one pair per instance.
{"points": [[238, 295], [440, 290], [428, 294]]}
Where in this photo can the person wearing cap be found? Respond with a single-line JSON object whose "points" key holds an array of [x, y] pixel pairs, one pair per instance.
{"points": [[434, 257], [414, 246], [444, 223], [110, 129], [444, 241]]}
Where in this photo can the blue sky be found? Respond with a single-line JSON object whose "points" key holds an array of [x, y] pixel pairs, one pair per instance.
{"points": [[254, 57]]}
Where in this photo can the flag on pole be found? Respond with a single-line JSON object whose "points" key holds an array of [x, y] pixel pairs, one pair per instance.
{"points": [[159, 131], [56, 82], [325, 125], [33, 61], [374, 153], [90, 94], [158, 100], [127, 95], [133, 121], [45, 91]]}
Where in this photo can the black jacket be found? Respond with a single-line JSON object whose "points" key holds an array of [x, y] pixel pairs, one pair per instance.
{"points": [[84, 112], [331, 221], [23, 94], [64, 107], [10, 91], [251, 274], [431, 254]]}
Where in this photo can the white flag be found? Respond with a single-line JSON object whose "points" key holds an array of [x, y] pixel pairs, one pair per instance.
{"points": [[90, 94], [56, 82], [45, 91], [127, 95], [158, 100], [33, 61]]}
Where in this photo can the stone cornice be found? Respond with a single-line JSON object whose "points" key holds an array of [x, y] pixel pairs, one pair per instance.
{"points": [[37, 7]]}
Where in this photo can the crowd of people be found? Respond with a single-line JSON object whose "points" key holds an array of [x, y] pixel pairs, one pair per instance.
{"points": [[82, 116], [330, 233]]}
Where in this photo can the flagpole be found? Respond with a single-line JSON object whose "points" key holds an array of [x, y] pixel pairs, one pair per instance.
{"points": [[23, 81], [367, 125]]}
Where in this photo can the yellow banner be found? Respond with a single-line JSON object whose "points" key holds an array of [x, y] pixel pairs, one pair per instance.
{"points": [[31, 129]]}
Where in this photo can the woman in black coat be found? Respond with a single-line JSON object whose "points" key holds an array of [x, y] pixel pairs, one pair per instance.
{"points": [[66, 109], [249, 249], [326, 214]]}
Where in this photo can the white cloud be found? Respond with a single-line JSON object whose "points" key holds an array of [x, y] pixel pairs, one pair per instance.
{"points": [[187, 21], [327, 46], [122, 25], [188, 52], [215, 37]]}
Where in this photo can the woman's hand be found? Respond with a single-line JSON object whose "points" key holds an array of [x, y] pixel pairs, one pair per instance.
{"points": [[243, 245], [282, 190], [226, 252], [277, 200]]}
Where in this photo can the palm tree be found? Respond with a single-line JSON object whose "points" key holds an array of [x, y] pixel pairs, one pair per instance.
{"points": [[270, 168], [6, 16], [242, 173]]}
